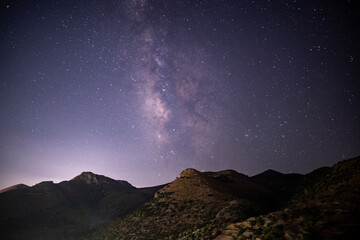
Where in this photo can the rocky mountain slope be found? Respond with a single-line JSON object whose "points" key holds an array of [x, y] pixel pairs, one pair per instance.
{"points": [[323, 204], [68, 209], [15, 187], [196, 199]]}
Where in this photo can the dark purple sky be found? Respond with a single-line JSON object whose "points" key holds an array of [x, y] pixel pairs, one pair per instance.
{"points": [[140, 90]]}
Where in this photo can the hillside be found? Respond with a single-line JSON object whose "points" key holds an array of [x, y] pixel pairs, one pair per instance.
{"points": [[220, 205], [324, 206], [15, 187], [198, 199], [68, 209]]}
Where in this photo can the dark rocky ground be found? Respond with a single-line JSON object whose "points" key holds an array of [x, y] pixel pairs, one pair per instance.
{"points": [[323, 204]]}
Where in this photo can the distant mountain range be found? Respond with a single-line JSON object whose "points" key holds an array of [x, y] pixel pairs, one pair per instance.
{"points": [[323, 204], [68, 209]]}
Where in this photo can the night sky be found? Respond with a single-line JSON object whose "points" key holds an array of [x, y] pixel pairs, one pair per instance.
{"points": [[140, 90]]}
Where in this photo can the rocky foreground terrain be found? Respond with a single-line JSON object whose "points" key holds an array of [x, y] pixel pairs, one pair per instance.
{"points": [[323, 204]]}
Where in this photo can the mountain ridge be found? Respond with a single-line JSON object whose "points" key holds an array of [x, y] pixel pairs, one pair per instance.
{"points": [[195, 199], [69, 208], [196, 205], [85, 173], [304, 202], [14, 187]]}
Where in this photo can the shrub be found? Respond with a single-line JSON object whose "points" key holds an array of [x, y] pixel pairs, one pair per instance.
{"points": [[216, 233], [258, 231], [259, 221], [274, 233]]}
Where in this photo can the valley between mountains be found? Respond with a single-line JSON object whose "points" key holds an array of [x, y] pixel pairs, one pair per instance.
{"points": [[323, 204]]}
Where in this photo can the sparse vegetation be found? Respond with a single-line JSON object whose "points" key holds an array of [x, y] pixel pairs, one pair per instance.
{"points": [[199, 206]]}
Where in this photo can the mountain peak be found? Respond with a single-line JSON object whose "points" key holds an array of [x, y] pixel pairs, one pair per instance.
{"points": [[189, 172], [268, 174], [95, 179], [271, 171], [88, 174], [92, 178], [15, 187]]}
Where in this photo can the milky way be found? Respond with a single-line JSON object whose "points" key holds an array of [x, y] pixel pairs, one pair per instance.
{"points": [[174, 88], [140, 90]]}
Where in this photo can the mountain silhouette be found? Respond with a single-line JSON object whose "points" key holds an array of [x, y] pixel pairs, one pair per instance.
{"points": [[322, 204], [67, 209], [196, 199]]}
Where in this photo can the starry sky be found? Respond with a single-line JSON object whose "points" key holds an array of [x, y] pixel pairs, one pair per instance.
{"points": [[140, 90]]}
